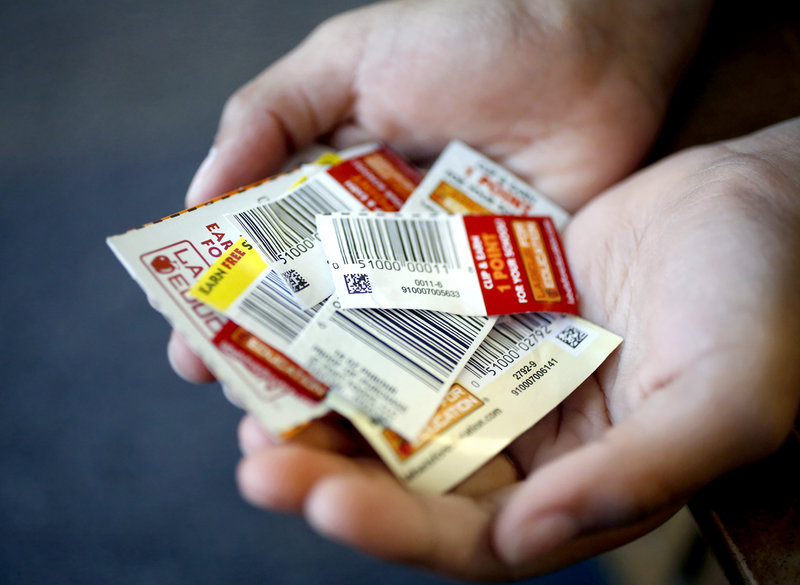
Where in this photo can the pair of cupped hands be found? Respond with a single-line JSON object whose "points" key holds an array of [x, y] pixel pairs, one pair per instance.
{"points": [[694, 260]]}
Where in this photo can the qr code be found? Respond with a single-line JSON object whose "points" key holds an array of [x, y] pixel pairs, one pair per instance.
{"points": [[572, 336], [295, 281], [357, 283]]}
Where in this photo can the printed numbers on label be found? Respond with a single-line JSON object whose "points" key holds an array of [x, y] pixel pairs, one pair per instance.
{"points": [[437, 292], [426, 268], [399, 266], [535, 376], [429, 283], [296, 251], [526, 369]]}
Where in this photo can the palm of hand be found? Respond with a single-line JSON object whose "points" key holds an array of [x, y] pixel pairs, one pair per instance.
{"points": [[540, 91], [697, 388]]}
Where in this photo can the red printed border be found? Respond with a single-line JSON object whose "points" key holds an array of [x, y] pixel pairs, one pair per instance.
{"points": [[267, 362], [380, 179]]}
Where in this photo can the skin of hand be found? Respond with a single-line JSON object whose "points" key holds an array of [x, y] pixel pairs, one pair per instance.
{"points": [[692, 260], [695, 259], [569, 95]]}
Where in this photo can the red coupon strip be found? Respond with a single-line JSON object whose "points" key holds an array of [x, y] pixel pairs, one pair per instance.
{"points": [[471, 265], [521, 264], [379, 179], [267, 362]]}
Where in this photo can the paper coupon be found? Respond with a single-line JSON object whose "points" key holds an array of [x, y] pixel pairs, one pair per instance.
{"points": [[394, 366], [240, 286], [168, 256], [284, 232], [464, 181], [267, 361], [526, 366], [265, 318], [231, 274], [471, 265]]}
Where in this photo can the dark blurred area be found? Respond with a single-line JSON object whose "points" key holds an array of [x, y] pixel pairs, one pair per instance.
{"points": [[114, 470]]}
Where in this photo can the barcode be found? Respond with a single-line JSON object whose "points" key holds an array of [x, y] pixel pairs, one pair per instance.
{"points": [[427, 344], [572, 336], [357, 284], [278, 225], [505, 336], [271, 305], [404, 239]]}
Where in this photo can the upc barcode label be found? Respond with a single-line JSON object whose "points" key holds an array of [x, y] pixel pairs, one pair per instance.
{"points": [[265, 318], [527, 370], [392, 365], [393, 239], [277, 227], [471, 265], [284, 231], [511, 338], [269, 311], [242, 287]]}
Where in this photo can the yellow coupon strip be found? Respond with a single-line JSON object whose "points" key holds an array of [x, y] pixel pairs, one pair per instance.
{"points": [[229, 276], [326, 159]]}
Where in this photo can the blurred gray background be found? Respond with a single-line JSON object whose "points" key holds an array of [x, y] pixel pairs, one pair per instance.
{"points": [[114, 470]]}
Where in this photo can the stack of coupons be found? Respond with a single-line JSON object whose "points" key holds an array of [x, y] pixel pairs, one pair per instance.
{"points": [[437, 314]]}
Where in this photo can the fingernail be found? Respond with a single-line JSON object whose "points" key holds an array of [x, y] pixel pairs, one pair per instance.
{"points": [[192, 196], [541, 537]]}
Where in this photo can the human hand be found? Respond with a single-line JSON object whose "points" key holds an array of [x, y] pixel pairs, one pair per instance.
{"points": [[569, 94], [695, 261]]}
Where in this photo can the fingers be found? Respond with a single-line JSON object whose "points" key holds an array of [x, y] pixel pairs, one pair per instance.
{"points": [[496, 474], [278, 475], [591, 496], [608, 491], [280, 478], [302, 96], [358, 502], [379, 516], [185, 363], [252, 436], [329, 433]]}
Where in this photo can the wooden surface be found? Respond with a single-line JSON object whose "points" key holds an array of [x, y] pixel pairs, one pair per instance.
{"points": [[751, 519]]}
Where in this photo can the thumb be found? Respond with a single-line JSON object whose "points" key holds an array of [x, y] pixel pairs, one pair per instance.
{"points": [[291, 103], [639, 473]]}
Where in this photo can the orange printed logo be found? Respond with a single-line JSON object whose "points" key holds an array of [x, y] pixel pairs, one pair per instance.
{"points": [[536, 261], [454, 201], [457, 404]]}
